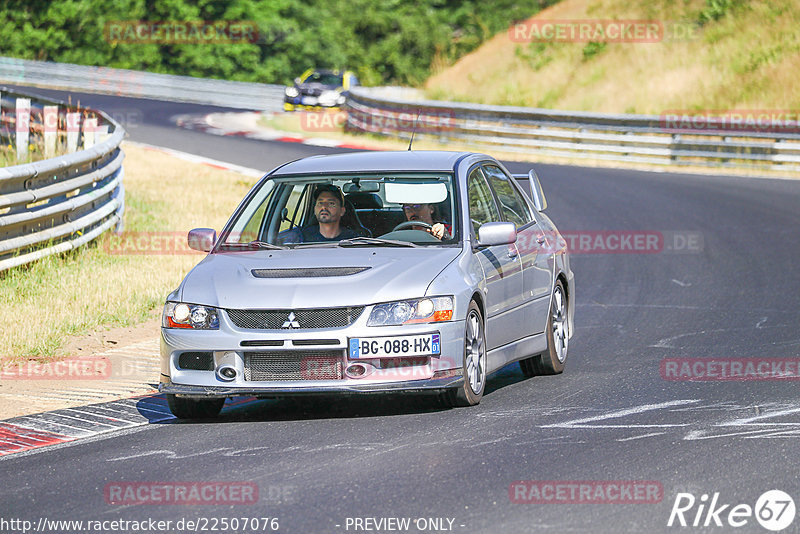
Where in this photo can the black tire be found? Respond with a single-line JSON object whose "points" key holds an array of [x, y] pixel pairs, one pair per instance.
{"points": [[552, 361], [474, 364], [188, 408], [527, 366]]}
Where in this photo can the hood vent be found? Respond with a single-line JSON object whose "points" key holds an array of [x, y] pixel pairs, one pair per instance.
{"points": [[308, 272]]}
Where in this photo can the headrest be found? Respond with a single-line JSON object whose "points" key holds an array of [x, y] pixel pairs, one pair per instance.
{"points": [[364, 200]]}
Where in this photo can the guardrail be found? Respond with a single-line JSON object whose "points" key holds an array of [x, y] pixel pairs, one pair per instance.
{"points": [[624, 138], [132, 83], [392, 112], [61, 203]]}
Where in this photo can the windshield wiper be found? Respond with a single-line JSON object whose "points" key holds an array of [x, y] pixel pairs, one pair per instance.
{"points": [[375, 241], [356, 242], [315, 244], [253, 245]]}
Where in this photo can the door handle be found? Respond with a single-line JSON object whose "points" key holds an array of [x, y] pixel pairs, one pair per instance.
{"points": [[540, 239], [512, 252]]}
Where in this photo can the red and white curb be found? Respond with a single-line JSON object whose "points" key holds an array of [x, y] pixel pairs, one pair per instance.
{"points": [[29, 432], [245, 125], [193, 158]]}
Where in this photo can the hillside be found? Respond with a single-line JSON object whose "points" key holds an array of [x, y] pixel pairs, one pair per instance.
{"points": [[713, 55]]}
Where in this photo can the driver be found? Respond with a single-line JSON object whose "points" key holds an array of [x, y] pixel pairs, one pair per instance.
{"points": [[424, 213], [328, 209]]}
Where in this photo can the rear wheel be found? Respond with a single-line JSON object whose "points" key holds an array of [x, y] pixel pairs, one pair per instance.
{"points": [[551, 361], [188, 408], [474, 366]]}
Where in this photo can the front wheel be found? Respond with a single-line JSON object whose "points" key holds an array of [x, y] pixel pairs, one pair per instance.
{"points": [[188, 408], [551, 361], [474, 365]]}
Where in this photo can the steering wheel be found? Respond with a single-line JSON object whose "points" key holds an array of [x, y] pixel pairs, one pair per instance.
{"points": [[409, 224]]}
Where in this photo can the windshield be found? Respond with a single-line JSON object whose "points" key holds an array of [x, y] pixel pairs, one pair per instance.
{"points": [[324, 78], [397, 209]]}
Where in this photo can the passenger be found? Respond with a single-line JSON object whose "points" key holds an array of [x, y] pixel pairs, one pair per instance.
{"points": [[329, 209], [425, 213]]}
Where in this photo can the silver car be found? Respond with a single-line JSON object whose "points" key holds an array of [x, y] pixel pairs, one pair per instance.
{"points": [[370, 272]]}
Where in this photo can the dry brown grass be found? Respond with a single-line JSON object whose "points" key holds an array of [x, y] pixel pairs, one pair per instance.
{"points": [[47, 301], [747, 59]]}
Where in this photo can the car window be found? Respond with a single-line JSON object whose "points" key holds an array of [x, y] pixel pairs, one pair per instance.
{"points": [[250, 221], [482, 208], [324, 78], [293, 211], [514, 207], [414, 207]]}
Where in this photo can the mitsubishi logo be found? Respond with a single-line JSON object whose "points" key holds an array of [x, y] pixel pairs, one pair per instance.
{"points": [[291, 322]]}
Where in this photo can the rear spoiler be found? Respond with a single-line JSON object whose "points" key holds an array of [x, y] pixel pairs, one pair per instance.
{"points": [[536, 192]]}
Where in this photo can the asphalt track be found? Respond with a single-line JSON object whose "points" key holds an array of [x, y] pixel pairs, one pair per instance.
{"points": [[610, 417]]}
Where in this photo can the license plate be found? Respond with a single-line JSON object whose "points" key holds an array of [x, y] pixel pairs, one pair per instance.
{"points": [[393, 346], [310, 100]]}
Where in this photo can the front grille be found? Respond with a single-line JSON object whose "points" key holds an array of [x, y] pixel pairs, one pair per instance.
{"points": [[197, 361], [295, 319], [293, 365]]}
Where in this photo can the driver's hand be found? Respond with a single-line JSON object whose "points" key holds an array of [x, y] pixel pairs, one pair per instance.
{"points": [[438, 231]]}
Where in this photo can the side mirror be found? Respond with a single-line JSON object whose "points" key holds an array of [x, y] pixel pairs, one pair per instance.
{"points": [[202, 239], [497, 233], [537, 194]]}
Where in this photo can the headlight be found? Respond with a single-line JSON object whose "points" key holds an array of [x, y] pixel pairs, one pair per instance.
{"points": [[424, 310], [180, 315], [328, 98], [291, 92]]}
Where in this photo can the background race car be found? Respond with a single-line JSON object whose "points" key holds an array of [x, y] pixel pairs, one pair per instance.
{"points": [[319, 88]]}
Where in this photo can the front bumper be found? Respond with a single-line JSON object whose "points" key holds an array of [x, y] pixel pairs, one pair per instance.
{"points": [[296, 104], [231, 346], [281, 390]]}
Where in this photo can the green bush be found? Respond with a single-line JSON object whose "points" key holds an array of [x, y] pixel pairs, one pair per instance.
{"points": [[715, 10], [592, 48], [385, 42]]}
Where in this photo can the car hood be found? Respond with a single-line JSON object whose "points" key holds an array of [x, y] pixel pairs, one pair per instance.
{"points": [[226, 280]]}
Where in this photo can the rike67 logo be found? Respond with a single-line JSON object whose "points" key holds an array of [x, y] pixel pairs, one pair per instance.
{"points": [[774, 510]]}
